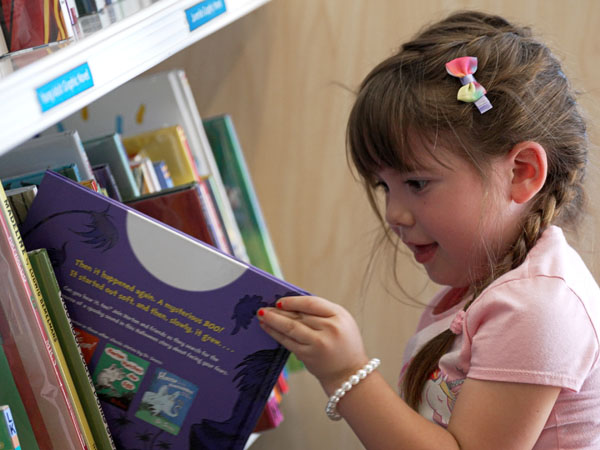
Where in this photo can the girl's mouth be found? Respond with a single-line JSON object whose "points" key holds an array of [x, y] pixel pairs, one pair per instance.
{"points": [[424, 253]]}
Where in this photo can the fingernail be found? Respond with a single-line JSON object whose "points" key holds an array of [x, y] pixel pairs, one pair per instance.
{"points": [[279, 304], [261, 312]]}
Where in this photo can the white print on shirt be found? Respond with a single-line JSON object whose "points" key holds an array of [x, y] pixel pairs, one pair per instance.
{"points": [[439, 397]]}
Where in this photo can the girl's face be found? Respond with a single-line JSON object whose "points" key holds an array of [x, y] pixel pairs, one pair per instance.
{"points": [[448, 217]]}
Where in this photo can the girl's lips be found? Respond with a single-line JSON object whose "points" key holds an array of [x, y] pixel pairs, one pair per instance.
{"points": [[424, 253]]}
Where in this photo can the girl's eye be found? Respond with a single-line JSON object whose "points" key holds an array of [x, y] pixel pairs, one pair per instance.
{"points": [[417, 185]]}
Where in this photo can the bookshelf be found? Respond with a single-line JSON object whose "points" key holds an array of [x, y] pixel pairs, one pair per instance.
{"points": [[109, 48]]}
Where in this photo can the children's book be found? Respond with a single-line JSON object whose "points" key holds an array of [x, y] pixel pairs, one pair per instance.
{"points": [[27, 346], [34, 178], [144, 174], [82, 380], [165, 144], [187, 209], [46, 152], [163, 174], [155, 101], [10, 396], [106, 180], [240, 190], [65, 373], [236, 177], [169, 323], [109, 150], [20, 199], [31, 23]]}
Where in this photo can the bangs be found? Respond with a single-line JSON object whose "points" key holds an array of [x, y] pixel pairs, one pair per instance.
{"points": [[385, 120]]}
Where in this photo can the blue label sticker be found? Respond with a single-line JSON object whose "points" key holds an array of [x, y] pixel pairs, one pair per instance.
{"points": [[64, 87], [204, 12]]}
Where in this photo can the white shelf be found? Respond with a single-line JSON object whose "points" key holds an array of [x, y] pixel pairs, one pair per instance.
{"points": [[121, 42]]}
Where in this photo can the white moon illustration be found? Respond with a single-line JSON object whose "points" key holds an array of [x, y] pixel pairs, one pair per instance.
{"points": [[178, 260]]}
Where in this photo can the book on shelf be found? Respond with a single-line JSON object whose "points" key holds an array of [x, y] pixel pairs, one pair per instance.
{"points": [[236, 177], [9, 439], [10, 396], [27, 345], [46, 152], [57, 350], [109, 150], [168, 322], [75, 362], [106, 180], [35, 178], [151, 102], [237, 180], [19, 200], [188, 208], [167, 144], [32, 23], [144, 174], [163, 174]]}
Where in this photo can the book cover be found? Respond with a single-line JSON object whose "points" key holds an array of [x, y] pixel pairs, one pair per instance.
{"points": [[9, 396], [109, 150], [46, 152], [31, 23], [232, 166], [82, 380], [155, 300], [180, 207], [65, 373], [144, 174], [9, 438], [240, 190], [155, 101], [106, 180], [20, 199], [168, 145], [27, 346], [35, 178], [163, 174]]}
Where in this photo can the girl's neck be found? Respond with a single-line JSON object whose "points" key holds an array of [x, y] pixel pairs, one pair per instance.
{"points": [[452, 298]]}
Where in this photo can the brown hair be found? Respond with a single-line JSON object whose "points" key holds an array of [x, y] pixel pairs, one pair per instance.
{"points": [[532, 101]]}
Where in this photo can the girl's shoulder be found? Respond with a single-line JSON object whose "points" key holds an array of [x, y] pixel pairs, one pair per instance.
{"points": [[552, 262]]}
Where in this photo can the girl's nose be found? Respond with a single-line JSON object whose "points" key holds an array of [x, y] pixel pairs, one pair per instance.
{"points": [[398, 215]]}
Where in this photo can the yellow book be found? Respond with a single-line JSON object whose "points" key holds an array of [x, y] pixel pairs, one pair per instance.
{"points": [[169, 145]]}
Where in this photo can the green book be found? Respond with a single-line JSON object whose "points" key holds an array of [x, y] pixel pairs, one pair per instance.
{"points": [[236, 178], [9, 395], [244, 202], [46, 279]]}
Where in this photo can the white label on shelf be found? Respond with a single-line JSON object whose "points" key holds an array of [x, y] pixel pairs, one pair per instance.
{"points": [[64, 87], [204, 12]]}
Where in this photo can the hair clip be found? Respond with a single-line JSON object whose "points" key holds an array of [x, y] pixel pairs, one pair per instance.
{"points": [[471, 91]]}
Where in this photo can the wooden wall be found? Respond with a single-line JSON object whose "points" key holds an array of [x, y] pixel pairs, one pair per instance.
{"points": [[285, 74]]}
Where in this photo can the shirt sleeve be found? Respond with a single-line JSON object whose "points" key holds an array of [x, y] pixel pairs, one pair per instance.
{"points": [[531, 331]]}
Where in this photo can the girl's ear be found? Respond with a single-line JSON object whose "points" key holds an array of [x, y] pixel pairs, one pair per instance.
{"points": [[529, 169]]}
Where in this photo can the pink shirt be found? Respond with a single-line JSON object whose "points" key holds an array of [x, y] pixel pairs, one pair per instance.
{"points": [[536, 324]]}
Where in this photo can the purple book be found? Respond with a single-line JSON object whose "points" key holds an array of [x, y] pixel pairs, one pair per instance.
{"points": [[167, 323]]}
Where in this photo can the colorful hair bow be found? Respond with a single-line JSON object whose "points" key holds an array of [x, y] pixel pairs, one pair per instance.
{"points": [[463, 68]]}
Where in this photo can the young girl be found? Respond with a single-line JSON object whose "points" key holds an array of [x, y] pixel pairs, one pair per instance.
{"points": [[476, 185]]}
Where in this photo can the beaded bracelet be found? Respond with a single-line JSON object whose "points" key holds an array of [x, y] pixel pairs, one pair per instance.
{"points": [[361, 374]]}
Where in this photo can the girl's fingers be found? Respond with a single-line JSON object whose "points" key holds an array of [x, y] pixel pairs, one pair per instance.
{"points": [[286, 341], [315, 306], [288, 324]]}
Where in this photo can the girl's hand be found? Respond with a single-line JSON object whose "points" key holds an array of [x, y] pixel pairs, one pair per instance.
{"points": [[322, 334]]}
